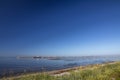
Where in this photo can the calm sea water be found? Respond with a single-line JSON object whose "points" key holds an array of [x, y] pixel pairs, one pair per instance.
{"points": [[10, 66]]}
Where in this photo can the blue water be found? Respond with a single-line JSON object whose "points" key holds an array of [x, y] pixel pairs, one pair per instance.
{"points": [[15, 66]]}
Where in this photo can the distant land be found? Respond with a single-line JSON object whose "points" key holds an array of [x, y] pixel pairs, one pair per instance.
{"points": [[61, 57]]}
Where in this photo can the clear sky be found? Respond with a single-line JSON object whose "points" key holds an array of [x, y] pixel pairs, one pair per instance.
{"points": [[59, 27]]}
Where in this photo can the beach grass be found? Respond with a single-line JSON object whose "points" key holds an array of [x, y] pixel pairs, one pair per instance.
{"points": [[107, 71]]}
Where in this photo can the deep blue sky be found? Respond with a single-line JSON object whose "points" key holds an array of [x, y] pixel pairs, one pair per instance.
{"points": [[59, 27]]}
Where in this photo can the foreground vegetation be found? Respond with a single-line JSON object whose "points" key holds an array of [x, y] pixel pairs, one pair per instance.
{"points": [[108, 71]]}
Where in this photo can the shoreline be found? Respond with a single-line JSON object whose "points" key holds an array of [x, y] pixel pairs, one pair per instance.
{"points": [[60, 72], [91, 66]]}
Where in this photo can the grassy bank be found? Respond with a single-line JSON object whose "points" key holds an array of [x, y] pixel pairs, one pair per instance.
{"points": [[107, 71]]}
